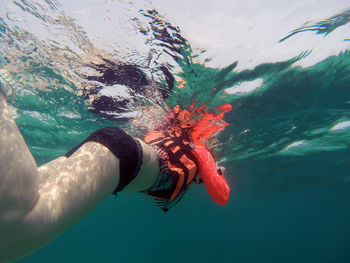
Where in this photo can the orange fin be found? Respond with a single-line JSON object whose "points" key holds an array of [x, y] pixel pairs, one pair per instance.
{"points": [[215, 183]]}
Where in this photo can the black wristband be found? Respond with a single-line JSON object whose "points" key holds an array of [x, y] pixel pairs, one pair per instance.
{"points": [[127, 149]]}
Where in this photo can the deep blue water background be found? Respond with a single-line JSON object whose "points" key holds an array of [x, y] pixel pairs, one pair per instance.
{"points": [[307, 224]]}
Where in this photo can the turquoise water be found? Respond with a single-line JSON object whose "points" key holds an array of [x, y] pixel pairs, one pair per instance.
{"points": [[286, 150]]}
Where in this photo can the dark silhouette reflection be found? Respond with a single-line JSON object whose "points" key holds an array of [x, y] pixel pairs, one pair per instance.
{"points": [[115, 89]]}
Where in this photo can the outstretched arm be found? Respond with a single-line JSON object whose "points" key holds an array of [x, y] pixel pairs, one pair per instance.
{"points": [[19, 182], [36, 205]]}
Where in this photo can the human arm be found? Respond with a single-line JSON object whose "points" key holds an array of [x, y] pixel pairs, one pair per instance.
{"points": [[36, 205]]}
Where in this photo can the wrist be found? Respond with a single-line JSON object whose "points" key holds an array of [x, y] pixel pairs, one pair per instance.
{"points": [[149, 170]]}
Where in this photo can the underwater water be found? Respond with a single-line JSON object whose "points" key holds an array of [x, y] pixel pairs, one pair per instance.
{"points": [[73, 68]]}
